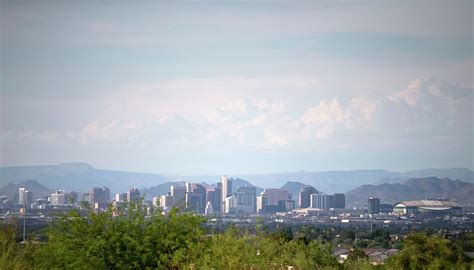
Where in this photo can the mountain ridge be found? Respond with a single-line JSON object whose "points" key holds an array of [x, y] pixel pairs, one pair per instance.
{"points": [[83, 176]]}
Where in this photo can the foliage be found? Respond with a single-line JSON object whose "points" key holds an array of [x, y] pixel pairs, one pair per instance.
{"points": [[428, 252], [13, 255], [128, 239], [356, 255]]}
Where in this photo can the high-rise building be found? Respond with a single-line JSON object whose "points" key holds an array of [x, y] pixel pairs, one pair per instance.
{"points": [[195, 197], [166, 202], [337, 201], [58, 197], [217, 203], [226, 189], [261, 203], [213, 195], [120, 197], [179, 194], [99, 195], [276, 194], [71, 197], [209, 210], [373, 205], [286, 205], [25, 197], [304, 196], [133, 195], [246, 199], [320, 201], [230, 205]]}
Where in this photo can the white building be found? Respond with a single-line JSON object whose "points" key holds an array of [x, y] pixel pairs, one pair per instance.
{"points": [[58, 198]]}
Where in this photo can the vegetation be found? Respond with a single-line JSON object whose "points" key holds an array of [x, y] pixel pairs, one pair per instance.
{"points": [[119, 239]]}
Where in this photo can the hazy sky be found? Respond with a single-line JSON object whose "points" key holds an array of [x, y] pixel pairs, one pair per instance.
{"points": [[237, 87]]}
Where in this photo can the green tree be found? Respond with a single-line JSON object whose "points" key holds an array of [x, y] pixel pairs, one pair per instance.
{"points": [[13, 255], [428, 252]]}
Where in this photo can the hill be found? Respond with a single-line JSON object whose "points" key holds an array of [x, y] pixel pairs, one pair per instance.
{"points": [[415, 188], [78, 177], [11, 190], [82, 177]]}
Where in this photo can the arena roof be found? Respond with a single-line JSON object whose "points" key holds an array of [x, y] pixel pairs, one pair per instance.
{"points": [[428, 203]]}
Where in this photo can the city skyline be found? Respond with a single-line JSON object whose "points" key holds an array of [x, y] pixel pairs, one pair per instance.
{"points": [[236, 88]]}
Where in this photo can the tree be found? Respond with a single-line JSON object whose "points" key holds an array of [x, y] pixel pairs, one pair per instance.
{"points": [[12, 254], [423, 252], [356, 255], [120, 239]]}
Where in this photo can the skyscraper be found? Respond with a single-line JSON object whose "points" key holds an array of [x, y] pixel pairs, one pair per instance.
{"points": [[261, 203], [226, 189], [373, 205], [304, 196], [338, 201], [120, 197], [179, 195], [195, 197], [59, 197], [276, 194], [246, 199], [133, 195], [25, 197], [99, 195], [320, 201]]}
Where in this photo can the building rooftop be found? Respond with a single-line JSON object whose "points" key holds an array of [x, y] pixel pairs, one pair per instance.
{"points": [[429, 203]]}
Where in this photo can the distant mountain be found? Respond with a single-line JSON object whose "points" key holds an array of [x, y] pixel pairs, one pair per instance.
{"points": [[415, 188], [38, 190], [78, 177], [82, 177], [326, 181], [461, 174]]}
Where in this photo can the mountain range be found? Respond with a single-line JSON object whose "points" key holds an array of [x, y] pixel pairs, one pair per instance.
{"points": [[414, 189], [82, 177]]}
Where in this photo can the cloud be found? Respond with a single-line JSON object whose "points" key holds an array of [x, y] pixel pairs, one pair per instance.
{"points": [[322, 118]]}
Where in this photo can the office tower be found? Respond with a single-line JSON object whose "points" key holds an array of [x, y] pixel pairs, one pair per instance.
{"points": [[374, 205], [133, 195], [320, 201], [216, 204], [195, 197], [226, 189], [262, 203], [179, 194], [338, 201], [209, 210], [25, 197], [304, 196], [246, 199], [213, 195], [58, 197], [99, 195], [166, 202], [230, 204], [71, 197], [276, 194], [286, 205], [120, 197]]}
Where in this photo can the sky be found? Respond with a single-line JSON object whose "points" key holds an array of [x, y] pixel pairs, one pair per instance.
{"points": [[224, 87]]}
